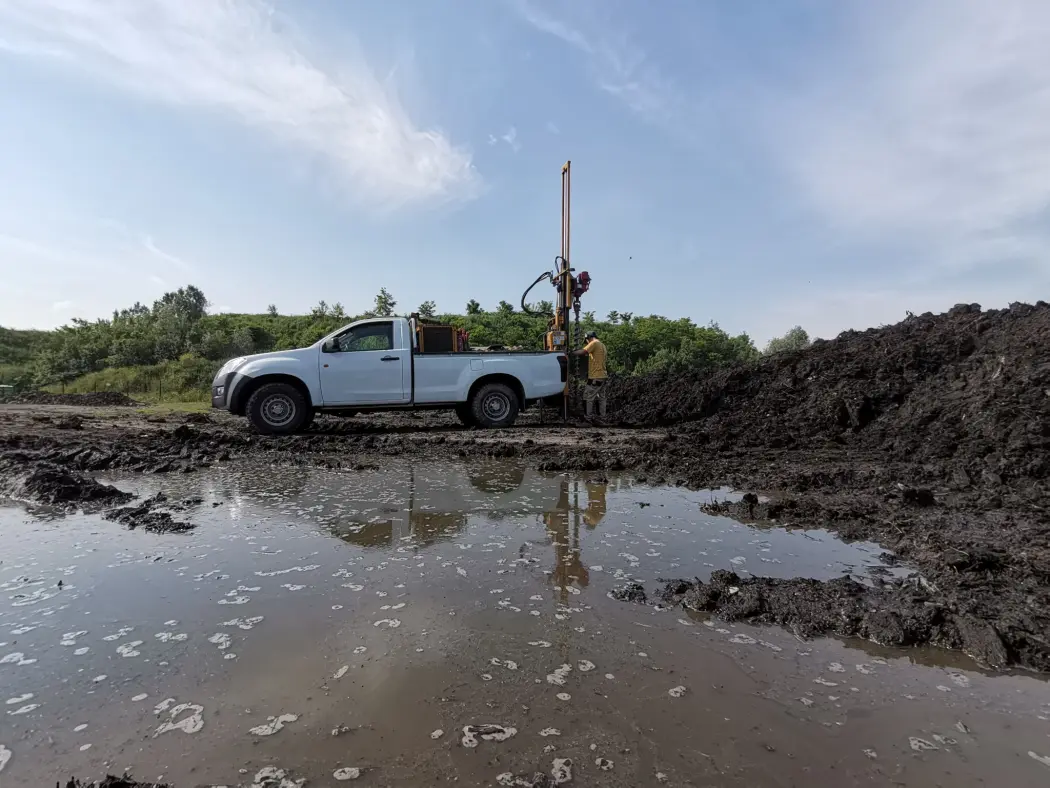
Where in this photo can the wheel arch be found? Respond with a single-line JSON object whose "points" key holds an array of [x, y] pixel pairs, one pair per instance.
{"points": [[499, 377], [244, 392]]}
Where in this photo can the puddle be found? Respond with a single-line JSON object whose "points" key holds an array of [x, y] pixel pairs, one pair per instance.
{"points": [[333, 625]]}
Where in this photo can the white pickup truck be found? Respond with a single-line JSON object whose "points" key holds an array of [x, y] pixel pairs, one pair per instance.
{"points": [[376, 365]]}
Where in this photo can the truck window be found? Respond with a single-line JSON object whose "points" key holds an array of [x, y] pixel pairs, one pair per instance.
{"points": [[371, 336]]}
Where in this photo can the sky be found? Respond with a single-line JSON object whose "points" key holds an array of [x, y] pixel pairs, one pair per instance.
{"points": [[826, 163]]}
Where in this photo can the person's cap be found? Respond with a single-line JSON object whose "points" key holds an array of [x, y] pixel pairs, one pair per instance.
{"points": [[591, 335]]}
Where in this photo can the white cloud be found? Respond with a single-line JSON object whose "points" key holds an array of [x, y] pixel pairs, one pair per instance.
{"points": [[618, 65], [240, 58], [167, 257], [511, 138], [932, 129], [61, 306]]}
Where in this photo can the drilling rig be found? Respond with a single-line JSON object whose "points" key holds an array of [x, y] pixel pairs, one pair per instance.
{"points": [[569, 288]]}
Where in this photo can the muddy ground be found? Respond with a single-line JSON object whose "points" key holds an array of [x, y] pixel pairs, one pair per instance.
{"points": [[930, 437]]}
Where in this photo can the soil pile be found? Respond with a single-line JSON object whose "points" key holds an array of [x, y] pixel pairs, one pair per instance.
{"points": [[51, 485], [99, 399], [893, 614], [966, 388]]}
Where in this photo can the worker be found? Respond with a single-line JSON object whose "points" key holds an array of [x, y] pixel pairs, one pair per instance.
{"points": [[596, 374]]}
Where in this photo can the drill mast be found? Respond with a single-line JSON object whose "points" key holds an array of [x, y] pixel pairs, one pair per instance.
{"points": [[569, 288]]}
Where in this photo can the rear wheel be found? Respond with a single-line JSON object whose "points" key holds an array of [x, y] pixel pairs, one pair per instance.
{"points": [[494, 405], [278, 409]]}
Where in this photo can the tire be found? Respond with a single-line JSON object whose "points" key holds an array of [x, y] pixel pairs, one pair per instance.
{"points": [[278, 409], [466, 416], [494, 406]]}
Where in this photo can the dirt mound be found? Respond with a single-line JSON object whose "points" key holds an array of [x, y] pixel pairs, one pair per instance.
{"points": [[45, 483], [100, 399], [965, 386], [893, 614]]}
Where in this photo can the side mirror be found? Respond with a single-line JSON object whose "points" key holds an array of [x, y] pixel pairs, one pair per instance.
{"points": [[328, 346]]}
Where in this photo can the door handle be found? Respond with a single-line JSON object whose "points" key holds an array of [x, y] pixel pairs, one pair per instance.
{"points": [[390, 358]]}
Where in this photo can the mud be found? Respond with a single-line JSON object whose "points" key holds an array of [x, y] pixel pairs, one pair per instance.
{"points": [[113, 782], [930, 437], [51, 485], [433, 621], [891, 614], [150, 517]]}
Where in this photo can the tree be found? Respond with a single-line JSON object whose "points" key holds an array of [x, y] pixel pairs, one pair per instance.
{"points": [[473, 307], [794, 339], [427, 309], [271, 310], [613, 317], [338, 312], [625, 317], [505, 308], [384, 304], [188, 302], [545, 308]]}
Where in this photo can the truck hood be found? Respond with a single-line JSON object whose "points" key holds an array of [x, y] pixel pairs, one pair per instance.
{"points": [[242, 361]]}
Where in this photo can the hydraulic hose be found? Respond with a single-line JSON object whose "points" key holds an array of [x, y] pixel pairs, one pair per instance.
{"points": [[540, 278]]}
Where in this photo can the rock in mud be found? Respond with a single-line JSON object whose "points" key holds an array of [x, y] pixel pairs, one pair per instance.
{"points": [[631, 592], [73, 422], [51, 485], [147, 517]]}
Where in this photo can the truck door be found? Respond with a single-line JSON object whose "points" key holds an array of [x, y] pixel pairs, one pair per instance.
{"points": [[364, 366]]}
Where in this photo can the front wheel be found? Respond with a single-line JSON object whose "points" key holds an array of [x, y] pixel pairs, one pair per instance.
{"points": [[278, 409], [494, 406]]}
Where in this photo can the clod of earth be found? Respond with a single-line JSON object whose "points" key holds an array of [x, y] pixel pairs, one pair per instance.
{"points": [[892, 614], [147, 517], [113, 782], [51, 485], [471, 734], [631, 592]]}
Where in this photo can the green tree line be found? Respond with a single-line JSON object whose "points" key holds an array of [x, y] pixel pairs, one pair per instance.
{"points": [[177, 339]]}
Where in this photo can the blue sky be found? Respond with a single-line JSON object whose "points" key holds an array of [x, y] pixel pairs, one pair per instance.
{"points": [[764, 164]]}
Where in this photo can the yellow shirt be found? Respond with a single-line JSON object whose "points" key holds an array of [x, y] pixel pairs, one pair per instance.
{"points": [[595, 360]]}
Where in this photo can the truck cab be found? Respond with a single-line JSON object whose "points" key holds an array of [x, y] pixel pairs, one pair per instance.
{"points": [[382, 364]]}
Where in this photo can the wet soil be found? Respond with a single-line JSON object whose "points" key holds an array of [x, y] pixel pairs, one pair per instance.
{"points": [[124, 781], [431, 621], [930, 437], [893, 614]]}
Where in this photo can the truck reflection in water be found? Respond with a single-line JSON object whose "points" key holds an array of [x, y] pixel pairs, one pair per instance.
{"points": [[426, 504], [397, 503]]}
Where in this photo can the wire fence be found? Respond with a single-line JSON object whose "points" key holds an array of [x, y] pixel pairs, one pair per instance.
{"points": [[143, 387]]}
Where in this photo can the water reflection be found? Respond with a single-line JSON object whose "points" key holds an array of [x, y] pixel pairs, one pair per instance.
{"points": [[563, 529]]}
